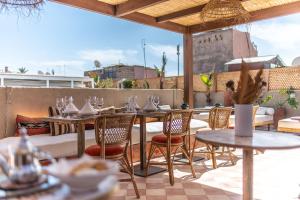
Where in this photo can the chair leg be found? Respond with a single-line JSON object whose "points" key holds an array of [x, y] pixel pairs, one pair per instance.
{"points": [[213, 157], [170, 166], [128, 169], [193, 150], [184, 151], [151, 152], [230, 155]]}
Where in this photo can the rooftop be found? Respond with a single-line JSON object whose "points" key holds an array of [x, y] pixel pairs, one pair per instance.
{"points": [[257, 59]]}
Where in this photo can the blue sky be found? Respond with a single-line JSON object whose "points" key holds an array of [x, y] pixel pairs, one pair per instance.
{"points": [[68, 40]]}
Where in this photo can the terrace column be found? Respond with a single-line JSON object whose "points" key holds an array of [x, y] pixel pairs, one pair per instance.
{"points": [[188, 68]]}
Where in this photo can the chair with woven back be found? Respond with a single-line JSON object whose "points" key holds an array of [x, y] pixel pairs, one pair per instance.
{"points": [[176, 127], [116, 131], [218, 119]]}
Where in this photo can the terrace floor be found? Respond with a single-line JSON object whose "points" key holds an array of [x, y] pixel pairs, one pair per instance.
{"points": [[276, 177]]}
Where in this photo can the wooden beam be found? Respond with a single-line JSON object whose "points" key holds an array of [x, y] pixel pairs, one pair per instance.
{"points": [[148, 20], [179, 14], [107, 9], [90, 5], [188, 68], [132, 6], [267, 13]]}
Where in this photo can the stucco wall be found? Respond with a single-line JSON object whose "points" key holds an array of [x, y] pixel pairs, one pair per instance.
{"points": [[34, 102]]}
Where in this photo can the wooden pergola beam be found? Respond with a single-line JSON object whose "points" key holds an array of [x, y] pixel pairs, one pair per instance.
{"points": [[132, 6], [276, 11], [107, 9]]}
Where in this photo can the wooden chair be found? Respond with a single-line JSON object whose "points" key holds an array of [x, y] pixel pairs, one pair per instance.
{"points": [[218, 119], [116, 131], [176, 127]]}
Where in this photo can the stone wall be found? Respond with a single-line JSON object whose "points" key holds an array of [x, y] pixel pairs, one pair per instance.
{"points": [[34, 102]]}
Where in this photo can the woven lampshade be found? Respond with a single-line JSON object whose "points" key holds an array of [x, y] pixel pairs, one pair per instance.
{"points": [[28, 5], [224, 10]]}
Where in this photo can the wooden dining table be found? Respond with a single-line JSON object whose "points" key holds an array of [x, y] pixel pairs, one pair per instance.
{"points": [[261, 140], [79, 123]]}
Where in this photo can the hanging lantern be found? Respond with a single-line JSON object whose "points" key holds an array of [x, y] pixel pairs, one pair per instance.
{"points": [[21, 5], [218, 10]]}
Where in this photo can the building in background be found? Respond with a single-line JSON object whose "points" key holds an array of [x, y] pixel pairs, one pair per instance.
{"points": [[267, 62], [296, 62], [10, 79], [212, 50], [121, 71]]}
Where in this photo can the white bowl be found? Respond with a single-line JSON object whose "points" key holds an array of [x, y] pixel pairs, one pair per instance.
{"points": [[83, 182]]}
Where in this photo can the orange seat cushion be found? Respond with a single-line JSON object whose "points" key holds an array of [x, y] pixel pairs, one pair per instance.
{"points": [[113, 150], [163, 139]]}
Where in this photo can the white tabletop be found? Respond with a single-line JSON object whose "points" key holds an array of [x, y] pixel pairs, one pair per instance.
{"points": [[260, 139]]}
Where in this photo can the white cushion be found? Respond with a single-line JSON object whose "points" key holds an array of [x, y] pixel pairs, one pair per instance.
{"points": [[270, 111], [202, 116], [164, 107], [261, 111], [258, 118], [289, 123], [58, 146], [156, 128]]}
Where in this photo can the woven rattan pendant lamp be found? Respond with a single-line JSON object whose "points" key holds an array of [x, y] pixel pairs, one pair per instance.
{"points": [[19, 5], [218, 10]]}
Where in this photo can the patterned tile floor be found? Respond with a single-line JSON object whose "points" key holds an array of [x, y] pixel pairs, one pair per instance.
{"points": [[276, 177]]}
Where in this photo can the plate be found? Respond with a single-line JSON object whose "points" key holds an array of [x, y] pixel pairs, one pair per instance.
{"points": [[6, 184], [51, 183]]}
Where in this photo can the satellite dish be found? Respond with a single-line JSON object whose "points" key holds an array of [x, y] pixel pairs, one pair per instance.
{"points": [[296, 62]]}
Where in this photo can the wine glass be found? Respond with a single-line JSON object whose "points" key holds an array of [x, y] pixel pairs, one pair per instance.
{"points": [[94, 102], [156, 100], [100, 102], [60, 105]]}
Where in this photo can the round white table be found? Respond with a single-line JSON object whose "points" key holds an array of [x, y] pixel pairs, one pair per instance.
{"points": [[261, 140]]}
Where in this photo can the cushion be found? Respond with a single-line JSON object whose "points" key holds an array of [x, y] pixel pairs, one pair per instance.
{"points": [[112, 150], [204, 116], [270, 111], [58, 146], [156, 128], [59, 129], [163, 139], [33, 126], [289, 123], [261, 111], [164, 107]]}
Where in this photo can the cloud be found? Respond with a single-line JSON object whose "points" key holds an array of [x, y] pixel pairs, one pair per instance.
{"points": [[58, 63], [109, 56], [283, 36], [170, 50]]}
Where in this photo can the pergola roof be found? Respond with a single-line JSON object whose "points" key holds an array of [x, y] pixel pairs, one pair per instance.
{"points": [[181, 15]]}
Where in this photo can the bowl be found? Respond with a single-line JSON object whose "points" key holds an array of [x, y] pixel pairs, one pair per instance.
{"points": [[86, 179]]}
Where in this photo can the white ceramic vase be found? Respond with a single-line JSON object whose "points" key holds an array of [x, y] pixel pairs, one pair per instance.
{"points": [[243, 120]]}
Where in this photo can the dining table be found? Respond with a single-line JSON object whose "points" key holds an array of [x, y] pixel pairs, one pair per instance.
{"points": [[140, 169], [79, 122], [261, 140]]}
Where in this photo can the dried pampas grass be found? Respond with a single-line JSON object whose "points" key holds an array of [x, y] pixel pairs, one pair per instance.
{"points": [[248, 89]]}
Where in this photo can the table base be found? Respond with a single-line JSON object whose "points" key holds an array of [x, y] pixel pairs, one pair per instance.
{"points": [[152, 170]]}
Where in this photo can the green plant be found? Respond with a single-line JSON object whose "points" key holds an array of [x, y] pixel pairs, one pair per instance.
{"points": [[207, 80], [104, 83], [161, 71], [267, 99], [23, 70], [128, 84], [289, 98], [146, 85]]}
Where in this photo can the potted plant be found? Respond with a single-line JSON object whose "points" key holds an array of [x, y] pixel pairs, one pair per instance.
{"points": [[207, 80], [289, 98], [247, 93]]}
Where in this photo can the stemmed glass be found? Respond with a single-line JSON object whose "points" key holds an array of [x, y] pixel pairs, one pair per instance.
{"points": [[100, 102], [156, 100], [94, 102], [60, 105]]}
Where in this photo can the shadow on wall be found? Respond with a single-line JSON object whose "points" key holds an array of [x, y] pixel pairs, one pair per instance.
{"points": [[34, 102]]}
